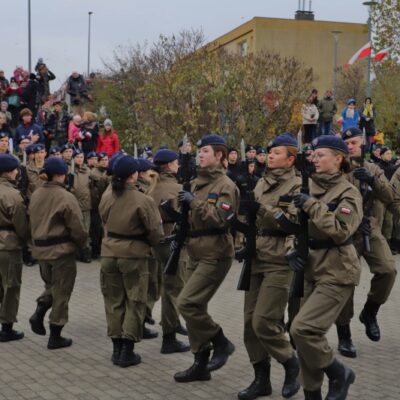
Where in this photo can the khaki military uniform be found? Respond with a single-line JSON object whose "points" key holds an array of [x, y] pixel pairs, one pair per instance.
{"points": [[265, 302], [395, 206], [13, 236], [380, 259], [132, 225], [34, 181], [167, 188], [57, 232], [210, 254], [332, 271]]}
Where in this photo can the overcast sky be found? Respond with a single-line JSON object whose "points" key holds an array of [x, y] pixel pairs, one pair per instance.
{"points": [[60, 27]]}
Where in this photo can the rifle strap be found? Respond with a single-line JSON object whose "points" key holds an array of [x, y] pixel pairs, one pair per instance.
{"points": [[271, 232], [51, 241], [207, 232], [327, 244], [8, 228]]}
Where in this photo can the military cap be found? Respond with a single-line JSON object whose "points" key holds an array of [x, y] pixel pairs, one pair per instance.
{"points": [[3, 135], [250, 147], [125, 166], [165, 156], [351, 133], [8, 163], [29, 148], [37, 147], [144, 165], [330, 142], [91, 154], [261, 150], [285, 139], [113, 160], [55, 165], [23, 137], [163, 147], [76, 152], [102, 155], [66, 147], [307, 147], [384, 149], [53, 150], [209, 140], [231, 149]]}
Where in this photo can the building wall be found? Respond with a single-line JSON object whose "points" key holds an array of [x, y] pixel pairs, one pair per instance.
{"points": [[310, 41]]}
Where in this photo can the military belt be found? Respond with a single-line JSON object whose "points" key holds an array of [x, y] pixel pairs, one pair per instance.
{"points": [[327, 244], [271, 232], [141, 238], [8, 228], [207, 232], [51, 241]]}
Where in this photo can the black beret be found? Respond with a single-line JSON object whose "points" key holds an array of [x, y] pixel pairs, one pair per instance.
{"points": [[55, 165], [8, 163], [250, 147], [330, 142], [261, 150], [165, 156]]}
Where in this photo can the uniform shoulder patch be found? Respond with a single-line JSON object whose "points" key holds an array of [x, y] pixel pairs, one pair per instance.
{"points": [[226, 206], [345, 210], [212, 198]]}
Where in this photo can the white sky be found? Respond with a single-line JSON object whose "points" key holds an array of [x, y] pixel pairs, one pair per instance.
{"points": [[60, 27]]}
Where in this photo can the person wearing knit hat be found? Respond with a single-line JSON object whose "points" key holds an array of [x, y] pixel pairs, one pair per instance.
{"points": [[335, 212], [55, 243], [108, 141], [132, 225], [34, 169], [14, 234], [369, 179], [213, 200], [167, 188]]}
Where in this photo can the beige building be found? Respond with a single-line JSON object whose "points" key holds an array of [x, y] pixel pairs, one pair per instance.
{"points": [[304, 38]]}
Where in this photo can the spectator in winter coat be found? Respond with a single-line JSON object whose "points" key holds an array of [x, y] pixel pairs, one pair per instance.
{"points": [[327, 110], [108, 141], [29, 128], [77, 89], [30, 94], [13, 93], [309, 112], [350, 116], [367, 121], [44, 78], [74, 128], [4, 127], [57, 125], [4, 110], [4, 84], [89, 132]]}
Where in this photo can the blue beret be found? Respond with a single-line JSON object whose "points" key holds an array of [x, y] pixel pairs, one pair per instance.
{"points": [[330, 142], [29, 148], [8, 163], [286, 139], [76, 152], [100, 156], [54, 150], [23, 137], [165, 156], [37, 147], [249, 147], [3, 135], [91, 154], [66, 147], [113, 160], [163, 147], [55, 165], [125, 166], [351, 132], [261, 150], [210, 140], [144, 164]]}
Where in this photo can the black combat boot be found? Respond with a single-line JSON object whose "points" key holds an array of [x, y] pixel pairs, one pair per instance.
{"points": [[56, 341], [127, 356], [149, 320], [181, 330], [198, 371], [291, 385], [171, 345], [346, 347], [368, 318], [340, 379], [149, 333], [85, 255], [36, 320], [223, 348], [314, 395], [27, 258], [7, 333], [117, 346], [261, 386]]}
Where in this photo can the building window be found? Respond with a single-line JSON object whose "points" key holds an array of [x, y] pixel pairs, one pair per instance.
{"points": [[243, 48]]}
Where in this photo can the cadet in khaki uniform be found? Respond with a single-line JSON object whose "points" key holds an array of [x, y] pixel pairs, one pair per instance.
{"points": [[34, 168], [13, 235], [167, 188], [265, 302], [57, 231], [380, 259], [214, 199], [82, 191], [332, 270], [132, 224]]}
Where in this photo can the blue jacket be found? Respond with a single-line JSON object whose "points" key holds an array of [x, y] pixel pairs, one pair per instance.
{"points": [[23, 130], [350, 122]]}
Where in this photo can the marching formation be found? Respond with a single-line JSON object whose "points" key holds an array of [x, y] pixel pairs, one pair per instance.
{"points": [[168, 227]]}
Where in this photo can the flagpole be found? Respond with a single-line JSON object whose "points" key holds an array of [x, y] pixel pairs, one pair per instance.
{"points": [[369, 4]]}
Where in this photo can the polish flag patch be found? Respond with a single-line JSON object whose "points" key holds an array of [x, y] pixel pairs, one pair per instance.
{"points": [[225, 206], [345, 210]]}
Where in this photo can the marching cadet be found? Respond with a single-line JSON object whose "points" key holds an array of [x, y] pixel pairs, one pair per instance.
{"points": [[261, 163], [34, 168], [4, 142], [92, 159], [81, 189], [13, 235], [332, 270], [213, 200], [55, 152], [167, 188], [67, 151], [132, 224], [380, 259], [57, 231], [265, 302]]}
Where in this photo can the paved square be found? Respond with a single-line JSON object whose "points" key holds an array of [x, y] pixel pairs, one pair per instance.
{"points": [[85, 372]]}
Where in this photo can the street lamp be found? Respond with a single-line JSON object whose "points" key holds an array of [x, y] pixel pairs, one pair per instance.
{"points": [[369, 4], [29, 38], [88, 58], [335, 59]]}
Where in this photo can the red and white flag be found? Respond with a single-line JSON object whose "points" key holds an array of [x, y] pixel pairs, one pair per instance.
{"points": [[365, 51], [380, 55]]}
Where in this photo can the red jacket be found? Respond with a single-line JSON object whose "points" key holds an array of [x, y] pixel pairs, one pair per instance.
{"points": [[108, 144]]}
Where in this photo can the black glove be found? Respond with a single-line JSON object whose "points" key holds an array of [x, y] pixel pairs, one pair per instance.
{"points": [[363, 175], [365, 226], [296, 263], [185, 197], [250, 206], [299, 199]]}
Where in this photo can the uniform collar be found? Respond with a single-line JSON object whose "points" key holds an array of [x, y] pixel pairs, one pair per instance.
{"points": [[205, 175], [6, 182], [167, 175], [277, 175], [323, 182]]}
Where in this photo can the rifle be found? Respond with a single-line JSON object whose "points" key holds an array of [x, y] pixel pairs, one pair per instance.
{"points": [[70, 178], [366, 192], [182, 226], [249, 229], [23, 180]]}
